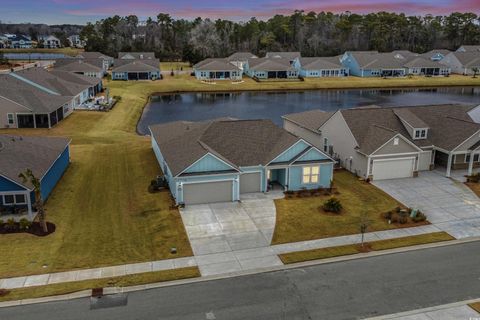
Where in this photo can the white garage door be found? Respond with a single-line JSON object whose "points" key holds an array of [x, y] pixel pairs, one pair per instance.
{"points": [[393, 168], [208, 192], [250, 182]]}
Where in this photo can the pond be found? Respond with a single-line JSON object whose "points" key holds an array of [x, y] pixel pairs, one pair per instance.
{"points": [[273, 105]]}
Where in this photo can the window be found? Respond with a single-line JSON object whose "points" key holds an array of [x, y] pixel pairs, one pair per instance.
{"points": [[475, 158], [420, 133], [8, 199], [325, 144], [20, 199], [310, 175], [417, 134], [10, 118], [423, 133]]}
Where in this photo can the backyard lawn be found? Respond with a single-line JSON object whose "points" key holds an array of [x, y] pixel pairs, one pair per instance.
{"points": [[300, 219], [67, 50]]}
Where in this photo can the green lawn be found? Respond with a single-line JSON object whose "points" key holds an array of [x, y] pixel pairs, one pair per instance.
{"points": [[300, 219], [175, 66], [331, 252], [475, 306], [67, 51], [123, 281]]}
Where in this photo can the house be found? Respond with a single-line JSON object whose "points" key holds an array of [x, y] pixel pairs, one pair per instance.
{"points": [[79, 88], [219, 160], [463, 62], [384, 143], [19, 42], [290, 56], [239, 59], [217, 69], [49, 41], [426, 67], [436, 54], [25, 104], [93, 55], [404, 54], [374, 64], [270, 68], [320, 67], [48, 158], [75, 41], [474, 48], [136, 69], [136, 55], [3, 41], [88, 67]]}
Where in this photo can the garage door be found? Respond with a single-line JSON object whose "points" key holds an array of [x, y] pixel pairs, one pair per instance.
{"points": [[250, 182], [393, 168], [207, 192]]}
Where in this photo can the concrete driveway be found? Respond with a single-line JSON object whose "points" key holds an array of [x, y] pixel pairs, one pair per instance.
{"points": [[233, 236], [448, 204]]}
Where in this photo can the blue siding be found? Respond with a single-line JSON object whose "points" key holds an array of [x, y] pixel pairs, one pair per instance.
{"points": [[51, 178], [290, 153], [312, 154], [208, 163], [7, 185], [295, 181]]}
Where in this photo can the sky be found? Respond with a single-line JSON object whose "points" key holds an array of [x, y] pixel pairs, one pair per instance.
{"points": [[82, 11]]}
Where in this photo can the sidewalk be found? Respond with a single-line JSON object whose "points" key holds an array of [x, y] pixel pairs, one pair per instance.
{"points": [[210, 264]]}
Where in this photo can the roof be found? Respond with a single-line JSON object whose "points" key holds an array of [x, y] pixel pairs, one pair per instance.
{"points": [[29, 96], [79, 65], [127, 65], [237, 142], [18, 154], [405, 53], [468, 59], [434, 52], [270, 64], [419, 62], [212, 64], [312, 119], [93, 55], [241, 56], [284, 55], [320, 63], [410, 118], [372, 60], [136, 55], [470, 48]]}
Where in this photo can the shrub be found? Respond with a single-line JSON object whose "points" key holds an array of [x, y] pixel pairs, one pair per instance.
{"points": [[398, 209], [388, 215], [25, 224], [394, 218], [4, 292], [11, 224], [420, 217], [332, 205], [402, 219]]}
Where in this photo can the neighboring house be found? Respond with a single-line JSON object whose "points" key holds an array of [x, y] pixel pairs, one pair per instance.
{"points": [[384, 143], [270, 68], [475, 48], [136, 55], [79, 88], [136, 69], [3, 41], [48, 158], [462, 62], [239, 59], [290, 56], [320, 67], [25, 104], [219, 160], [216, 69], [20, 42], [75, 41], [374, 64], [436, 55], [87, 67], [49, 41], [426, 67], [92, 55]]}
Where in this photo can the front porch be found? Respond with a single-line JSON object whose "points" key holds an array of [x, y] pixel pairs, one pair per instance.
{"points": [[457, 164], [16, 205], [277, 179]]}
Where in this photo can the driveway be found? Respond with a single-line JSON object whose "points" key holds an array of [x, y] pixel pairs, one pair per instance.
{"points": [[233, 236], [448, 203]]}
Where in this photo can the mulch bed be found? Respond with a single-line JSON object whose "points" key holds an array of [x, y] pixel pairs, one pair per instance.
{"points": [[35, 229]]}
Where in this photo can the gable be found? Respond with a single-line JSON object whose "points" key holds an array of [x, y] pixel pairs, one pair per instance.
{"points": [[8, 185], [208, 163], [403, 146], [291, 152], [313, 155]]}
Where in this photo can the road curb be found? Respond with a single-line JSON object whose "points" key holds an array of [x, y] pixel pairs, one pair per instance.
{"points": [[116, 290]]}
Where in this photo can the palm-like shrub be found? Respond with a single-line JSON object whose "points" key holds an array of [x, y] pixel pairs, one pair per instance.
{"points": [[332, 205]]}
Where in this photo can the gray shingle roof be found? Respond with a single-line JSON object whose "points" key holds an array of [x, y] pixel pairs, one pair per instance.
{"points": [[93, 55], [431, 53], [419, 62], [410, 118], [468, 59], [312, 119], [136, 55], [284, 55], [372, 60], [320, 63], [36, 153], [29, 96], [237, 142], [241, 56], [470, 48], [129, 65], [76, 78], [270, 64], [213, 64], [79, 65]]}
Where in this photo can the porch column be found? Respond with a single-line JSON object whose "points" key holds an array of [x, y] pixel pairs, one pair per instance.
{"points": [[449, 165], [368, 168], [470, 164], [29, 205]]}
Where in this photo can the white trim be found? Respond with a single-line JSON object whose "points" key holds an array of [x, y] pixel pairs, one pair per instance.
{"points": [[396, 154], [281, 153], [393, 159], [313, 148], [181, 184], [198, 160], [473, 135], [18, 184]]}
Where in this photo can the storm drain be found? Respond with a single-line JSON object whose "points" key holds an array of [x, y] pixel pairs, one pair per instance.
{"points": [[109, 301]]}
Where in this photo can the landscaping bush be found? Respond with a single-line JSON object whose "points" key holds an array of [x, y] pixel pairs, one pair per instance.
{"points": [[420, 217], [24, 224], [332, 205], [402, 219], [475, 178], [388, 215], [11, 224]]}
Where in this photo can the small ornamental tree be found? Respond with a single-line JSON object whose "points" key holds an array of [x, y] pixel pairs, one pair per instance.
{"points": [[29, 177], [475, 71]]}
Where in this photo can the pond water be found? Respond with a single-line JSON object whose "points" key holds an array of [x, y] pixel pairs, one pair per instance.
{"points": [[272, 105]]}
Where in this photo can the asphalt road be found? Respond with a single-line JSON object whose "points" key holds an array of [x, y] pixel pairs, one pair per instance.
{"points": [[346, 290]]}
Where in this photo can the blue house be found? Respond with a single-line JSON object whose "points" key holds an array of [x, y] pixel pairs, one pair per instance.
{"points": [[320, 67], [48, 158], [220, 160], [374, 64]]}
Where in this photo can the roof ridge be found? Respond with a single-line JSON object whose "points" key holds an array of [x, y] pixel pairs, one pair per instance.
{"points": [[463, 120], [384, 128]]}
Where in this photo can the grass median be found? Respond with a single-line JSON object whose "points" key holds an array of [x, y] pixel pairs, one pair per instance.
{"points": [[379, 245], [122, 281]]}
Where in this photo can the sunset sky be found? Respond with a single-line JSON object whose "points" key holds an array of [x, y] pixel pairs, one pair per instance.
{"points": [[81, 11]]}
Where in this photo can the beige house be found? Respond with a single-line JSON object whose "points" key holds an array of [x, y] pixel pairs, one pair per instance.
{"points": [[386, 143]]}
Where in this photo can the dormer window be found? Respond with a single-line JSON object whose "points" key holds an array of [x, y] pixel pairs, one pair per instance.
{"points": [[420, 134]]}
